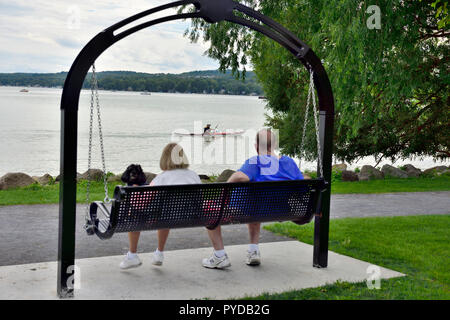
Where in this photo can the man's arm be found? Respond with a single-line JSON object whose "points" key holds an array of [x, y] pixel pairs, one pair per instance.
{"points": [[238, 176]]}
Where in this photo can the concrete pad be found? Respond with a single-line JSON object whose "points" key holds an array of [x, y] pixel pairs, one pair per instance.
{"points": [[285, 266]]}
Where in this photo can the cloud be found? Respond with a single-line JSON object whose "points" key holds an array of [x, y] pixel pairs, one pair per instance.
{"points": [[46, 36]]}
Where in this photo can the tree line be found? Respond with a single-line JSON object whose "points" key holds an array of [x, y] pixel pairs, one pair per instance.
{"points": [[207, 82]]}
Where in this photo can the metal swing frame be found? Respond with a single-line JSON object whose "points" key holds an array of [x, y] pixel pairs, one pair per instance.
{"points": [[212, 11]]}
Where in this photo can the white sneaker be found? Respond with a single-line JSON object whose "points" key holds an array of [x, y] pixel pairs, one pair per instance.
{"points": [[253, 258], [157, 258], [216, 262], [128, 262]]}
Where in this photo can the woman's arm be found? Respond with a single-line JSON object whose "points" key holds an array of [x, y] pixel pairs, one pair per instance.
{"points": [[238, 176]]}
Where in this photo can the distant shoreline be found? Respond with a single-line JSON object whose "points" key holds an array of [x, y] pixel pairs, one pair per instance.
{"points": [[126, 91], [194, 82]]}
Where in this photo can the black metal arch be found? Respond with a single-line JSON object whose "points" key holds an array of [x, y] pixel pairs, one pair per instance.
{"points": [[212, 11]]}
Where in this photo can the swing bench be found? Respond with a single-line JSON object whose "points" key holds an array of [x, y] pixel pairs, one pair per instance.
{"points": [[208, 205]]}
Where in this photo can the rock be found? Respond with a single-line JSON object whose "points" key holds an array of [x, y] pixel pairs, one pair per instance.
{"points": [[15, 180], [348, 175], [95, 175], [370, 173], [339, 167], [58, 177], [150, 176], [412, 171], [225, 175], [390, 171], [115, 178], [203, 177], [46, 179], [435, 170]]}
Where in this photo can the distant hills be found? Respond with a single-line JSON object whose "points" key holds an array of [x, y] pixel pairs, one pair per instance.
{"points": [[208, 82]]}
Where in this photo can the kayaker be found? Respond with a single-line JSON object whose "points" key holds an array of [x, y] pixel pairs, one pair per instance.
{"points": [[207, 128]]}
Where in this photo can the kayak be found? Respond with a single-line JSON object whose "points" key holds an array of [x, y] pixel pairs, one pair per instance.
{"points": [[212, 133]]}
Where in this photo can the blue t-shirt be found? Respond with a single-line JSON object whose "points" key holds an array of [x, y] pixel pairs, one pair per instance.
{"points": [[270, 168], [266, 168]]}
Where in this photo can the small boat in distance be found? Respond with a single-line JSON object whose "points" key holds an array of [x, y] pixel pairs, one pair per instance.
{"points": [[262, 97], [24, 90], [146, 93], [212, 133]]}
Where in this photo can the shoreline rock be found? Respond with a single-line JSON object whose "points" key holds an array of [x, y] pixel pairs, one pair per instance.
{"points": [[225, 175], [339, 167], [412, 171], [390, 171], [45, 180], [348, 175], [14, 180], [370, 173]]}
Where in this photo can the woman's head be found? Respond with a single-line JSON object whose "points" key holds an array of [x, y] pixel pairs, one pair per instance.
{"points": [[173, 157]]}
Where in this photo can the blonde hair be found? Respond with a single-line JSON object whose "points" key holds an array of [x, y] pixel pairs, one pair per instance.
{"points": [[173, 157]]}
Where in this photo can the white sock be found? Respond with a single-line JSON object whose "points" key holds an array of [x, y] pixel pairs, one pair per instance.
{"points": [[219, 253], [131, 255], [253, 247], [159, 252]]}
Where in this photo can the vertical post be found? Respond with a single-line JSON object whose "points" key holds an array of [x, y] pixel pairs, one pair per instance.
{"points": [[67, 203], [322, 222]]}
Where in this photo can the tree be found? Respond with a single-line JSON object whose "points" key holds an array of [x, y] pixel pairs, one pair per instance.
{"points": [[390, 84]]}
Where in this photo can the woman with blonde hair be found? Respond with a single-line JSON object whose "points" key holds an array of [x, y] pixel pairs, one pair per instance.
{"points": [[174, 165]]}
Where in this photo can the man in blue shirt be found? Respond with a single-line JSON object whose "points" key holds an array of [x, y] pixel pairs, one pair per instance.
{"points": [[266, 166]]}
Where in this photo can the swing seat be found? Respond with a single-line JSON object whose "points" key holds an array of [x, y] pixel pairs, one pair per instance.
{"points": [[206, 205]]}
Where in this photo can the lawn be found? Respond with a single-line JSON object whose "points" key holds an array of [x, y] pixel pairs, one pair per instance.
{"points": [[36, 194], [418, 246], [393, 185]]}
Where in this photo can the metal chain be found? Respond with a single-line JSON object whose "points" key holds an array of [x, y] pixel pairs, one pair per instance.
{"points": [[91, 118], [311, 95], [94, 94], [100, 133], [316, 122], [302, 146]]}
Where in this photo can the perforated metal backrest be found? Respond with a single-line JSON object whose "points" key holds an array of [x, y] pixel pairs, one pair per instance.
{"points": [[209, 205]]}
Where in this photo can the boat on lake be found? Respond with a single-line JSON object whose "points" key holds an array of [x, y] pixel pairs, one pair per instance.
{"points": [[212, 133], [24, 90]]}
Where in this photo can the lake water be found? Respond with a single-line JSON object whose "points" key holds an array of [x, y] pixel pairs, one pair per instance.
{"points": [[135, 127]]}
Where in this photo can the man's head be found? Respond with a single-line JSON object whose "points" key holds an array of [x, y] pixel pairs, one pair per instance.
{"points": [[266, 142]]}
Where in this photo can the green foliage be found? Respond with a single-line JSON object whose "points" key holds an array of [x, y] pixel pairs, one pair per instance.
{"points": [[336, 175], [190, 82], [416, 245], [312, 174], [357, 170], [390, 85], [441, 7]]}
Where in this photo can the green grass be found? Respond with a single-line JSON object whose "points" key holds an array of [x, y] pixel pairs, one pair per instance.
{"points": [[36, 194], [418, 246], [441, 183]]}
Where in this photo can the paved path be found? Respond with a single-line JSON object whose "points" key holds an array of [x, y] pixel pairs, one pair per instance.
{"points": [[286, 266], [30, 233]]}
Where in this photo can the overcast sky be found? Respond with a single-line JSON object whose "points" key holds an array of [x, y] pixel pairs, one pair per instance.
{"points": [[47, 35]]}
